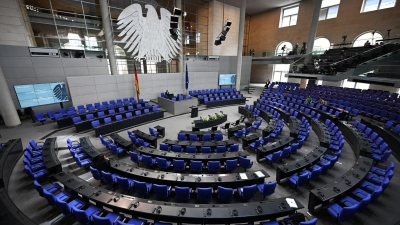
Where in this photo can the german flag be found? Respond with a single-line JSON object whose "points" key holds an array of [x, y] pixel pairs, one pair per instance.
{"points": [[136, 82]]}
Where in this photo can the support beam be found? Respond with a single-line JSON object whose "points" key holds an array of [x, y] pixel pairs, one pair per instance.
{"points": [[240, 44], [108, 35], [7, 107], [313, 26]]}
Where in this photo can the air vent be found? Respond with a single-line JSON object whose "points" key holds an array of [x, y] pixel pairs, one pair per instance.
{"points": [[44, 52]]}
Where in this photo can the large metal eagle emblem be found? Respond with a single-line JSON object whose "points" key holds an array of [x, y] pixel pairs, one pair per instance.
{"points": [[148, 37]]}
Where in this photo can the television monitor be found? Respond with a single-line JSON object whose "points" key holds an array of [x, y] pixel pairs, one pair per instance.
{"points": [[227, 79], [41, 94]]}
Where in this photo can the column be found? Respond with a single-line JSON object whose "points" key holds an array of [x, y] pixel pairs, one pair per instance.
{"points": [[313, 26], [181, 57], [108, 35], [240, 44], [303, 83], [7, 109]]}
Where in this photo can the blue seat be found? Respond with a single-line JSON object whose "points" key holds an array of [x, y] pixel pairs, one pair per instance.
{"points": [[206, 137], [35, 146], [36, 174], [255, 144], [181, 137], [128, 115], [341, 214], [218, 136], [162, 163], [245, 163], [51, 199], [109, 178], [191, 149], [95, 173], [164, 147], [267, 189], [230, 165], [193, 138], [95, 123], [153, 132], [66, 207], [204, 194], [179, 165], [274, 157], [138, 112], [109, 218], [124, 183], [107, 120], [196, 166], [176, 148], [220, 149], [213, 166], [132, 221], [239, 134], [52, 188], [161, 191], [247, 192], [141, 142], [286, 152], [115, 149], [182, 193], [225, 194], [148, 160], [85, 216], [142, 188], [299, 180], [205, 149], [233, 148], [135, 157]]}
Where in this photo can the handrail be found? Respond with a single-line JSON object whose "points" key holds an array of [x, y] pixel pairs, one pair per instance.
{"points": [[301, 58], [380, 46], [379, 57]]}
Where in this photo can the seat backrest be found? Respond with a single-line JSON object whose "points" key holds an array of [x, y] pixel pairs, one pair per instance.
{"points": [[196, 165], [204, 194], [311, 222], [95, 173], [161, 191], [181, 137], [213, 165], [347, 212], [80, 215], [225, 194], [182, 193], [269, 188], [231, 164], [207, 137], [205, 149], [107, 177], [38, 187], [249, 191], [123, 183], [49, 197], [244, 162], [220, 149], [176, 148], [179, 164], [140, 187], [219, 136]]}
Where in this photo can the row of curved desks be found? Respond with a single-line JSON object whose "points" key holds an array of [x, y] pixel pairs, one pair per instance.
{"points": [[269, 128], [176, 212], [204, 157], [122, 142], [272, 147], [322, 132], [232, 180], [146, 137], [200, 134], [340, 186], [356, 139], [233, 130], [199, 144], [10, 153], [284, 115], [89, 148], [390, 137], [294, 127], [225, 102], [49, 156], [245, 112], [300, 164], [210, 123]]}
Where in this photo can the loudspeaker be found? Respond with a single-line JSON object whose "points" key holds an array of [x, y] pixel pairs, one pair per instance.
{"points": [[174, 19], [173, 25]]}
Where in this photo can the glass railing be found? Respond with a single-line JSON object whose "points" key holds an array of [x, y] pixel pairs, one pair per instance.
{"points": [[299, 65], [271, 53], [379, 71]]}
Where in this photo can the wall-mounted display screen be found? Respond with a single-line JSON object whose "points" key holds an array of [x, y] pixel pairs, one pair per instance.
{"points": [[41, 94], [227, 79]]}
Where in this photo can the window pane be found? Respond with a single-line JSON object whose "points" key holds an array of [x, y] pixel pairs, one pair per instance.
{"points": [[387, 4], [285, 21], [319, 82], [291, 11], [332, 12], [348, 84], [327, 3], [293, 20], [362, 86], [322, 13], [371, 5], [282, 67]]}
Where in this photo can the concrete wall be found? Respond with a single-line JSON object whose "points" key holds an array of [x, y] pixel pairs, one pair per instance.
{"points": [[12, 27], [265, 33], [385, 88], [260, 73], [219, 12], [20, 68], [331, 83]]}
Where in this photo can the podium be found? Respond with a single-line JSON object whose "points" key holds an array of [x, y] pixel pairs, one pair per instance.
{"points": [[195, 112]]}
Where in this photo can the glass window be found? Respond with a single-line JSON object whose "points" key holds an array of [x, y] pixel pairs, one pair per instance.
{"points": [[319, 82], [363, 86], [367, 36], [372, 5], [289, 16], [279, 72], [283, 48], [320, 45], [329, 9], [348, 84]]}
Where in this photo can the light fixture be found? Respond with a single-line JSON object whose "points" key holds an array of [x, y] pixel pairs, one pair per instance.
{"points": [[177, 11]]}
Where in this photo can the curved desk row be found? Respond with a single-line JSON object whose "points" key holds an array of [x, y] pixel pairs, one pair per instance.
{"points": [[89, 149], [270, 128], [49, 155], [267, 116], [340, 186], [284, 115], [390, 137], [200, 124], [129, 122], [356, 139], [146, 137], [10, 153], [294, 127], [86, 125], [199, 134], [232, 180], [233, 130], [67, 120], [203, 157], [272, 147], [199, 144], [294, 167], [225, 102], [322, 132], [247, 113], [172, 212]]}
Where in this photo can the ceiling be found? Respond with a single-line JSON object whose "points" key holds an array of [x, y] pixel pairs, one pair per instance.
{"points": [[257, 6]]}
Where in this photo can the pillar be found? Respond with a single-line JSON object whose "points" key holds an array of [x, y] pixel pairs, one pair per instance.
{"points": [[7, 109], [108, 35], [240, 44], [303, 83], [180, 52], [313, 27]]}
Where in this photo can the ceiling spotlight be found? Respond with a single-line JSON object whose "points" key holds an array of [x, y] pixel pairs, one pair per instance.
{"points": [[226, 28], [177, 11], [228, 23], [222, 38], [217, 42], [174, 36], [184, 14]]}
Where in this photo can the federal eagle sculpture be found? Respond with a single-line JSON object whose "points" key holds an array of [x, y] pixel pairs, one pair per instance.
{"points": [[148, 37]]}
